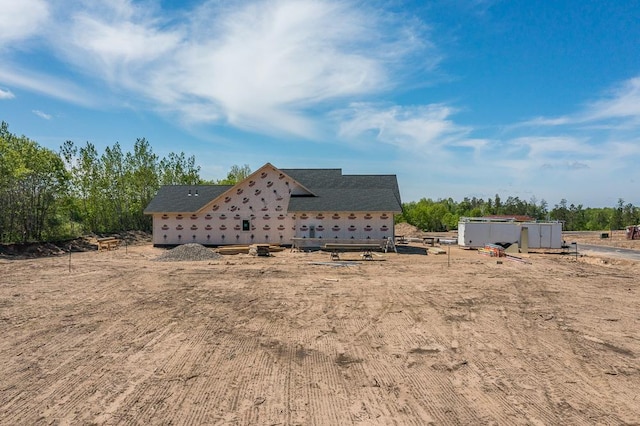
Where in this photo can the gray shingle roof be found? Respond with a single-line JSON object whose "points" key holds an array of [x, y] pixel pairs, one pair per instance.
{"points": [[176, 199], [347, 200], [316, 178], [333, 192], [338, 192]]}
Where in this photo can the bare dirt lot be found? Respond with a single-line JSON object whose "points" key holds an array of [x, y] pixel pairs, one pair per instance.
{"points": [[118, 338]]}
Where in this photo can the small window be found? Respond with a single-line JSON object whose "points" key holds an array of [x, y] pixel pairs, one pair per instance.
{"points": [[246, 225]]}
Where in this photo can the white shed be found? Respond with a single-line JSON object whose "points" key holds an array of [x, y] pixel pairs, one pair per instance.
{"points": [[476, 232]]}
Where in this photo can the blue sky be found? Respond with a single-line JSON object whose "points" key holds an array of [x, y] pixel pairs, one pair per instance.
{"points": [[527, 98]]}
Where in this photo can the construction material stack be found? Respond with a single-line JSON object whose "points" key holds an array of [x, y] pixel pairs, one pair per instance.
{"points": [[492, 250]]}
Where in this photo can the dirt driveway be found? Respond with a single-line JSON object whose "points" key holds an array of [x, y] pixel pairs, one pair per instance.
{"points": [[294, 339]]}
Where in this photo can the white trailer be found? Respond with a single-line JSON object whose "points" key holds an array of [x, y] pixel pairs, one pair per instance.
{"points": [[476, 232]]}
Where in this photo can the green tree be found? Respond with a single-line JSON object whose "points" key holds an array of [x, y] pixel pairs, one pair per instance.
{"points": [[143, 182], [630, 215], [33, 180], [597, 219], [616, 221], [177, 169], [236, 174]]}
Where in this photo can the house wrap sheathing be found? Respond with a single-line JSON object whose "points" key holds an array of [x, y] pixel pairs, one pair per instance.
{"points": [[276, 205]]}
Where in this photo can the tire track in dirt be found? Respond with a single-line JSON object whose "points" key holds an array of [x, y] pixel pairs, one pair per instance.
{"points": [[132, 358], [59, 359], [444, 347], [378, 344], [539, 361], [556, 346], [366, 330], [181, 369], [177, 370], [497, 381], [327, 390], [87, 350], [224, 369]]}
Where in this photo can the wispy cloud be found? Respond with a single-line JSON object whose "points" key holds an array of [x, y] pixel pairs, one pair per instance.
{"points": [[542, 122], [41, 114], [257, 65], [45, 84], [595, 140], [556, 146], [621, 103], [6, 94], [412, 128]]}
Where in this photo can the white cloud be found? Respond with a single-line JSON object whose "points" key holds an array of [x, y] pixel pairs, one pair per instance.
{"points": [[412, 128], [551, 146], [622, 102], [42, 114], [118, 51], [21, 19], [6, 94], [255, 64], [577, 149], [543, 121]]}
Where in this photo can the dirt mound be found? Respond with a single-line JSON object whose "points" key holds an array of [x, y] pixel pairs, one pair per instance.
{"points": [[408, 230], [56, 248], [188, 252]]}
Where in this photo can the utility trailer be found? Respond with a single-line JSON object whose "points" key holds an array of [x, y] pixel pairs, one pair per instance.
{"points": [[474, 232]]}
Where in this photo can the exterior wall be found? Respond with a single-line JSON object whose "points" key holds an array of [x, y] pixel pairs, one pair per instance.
{"points": [[344, 225], [262, 199]]}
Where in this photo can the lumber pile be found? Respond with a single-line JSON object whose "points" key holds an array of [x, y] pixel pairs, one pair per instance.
{"points": [[245, 249], [108, 243]]}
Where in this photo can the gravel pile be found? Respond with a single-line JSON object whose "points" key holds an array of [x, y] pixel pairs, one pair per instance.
{"points": [[188, 252]]}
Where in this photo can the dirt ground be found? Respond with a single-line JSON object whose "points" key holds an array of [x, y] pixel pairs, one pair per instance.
{"points": [[116, 338]]}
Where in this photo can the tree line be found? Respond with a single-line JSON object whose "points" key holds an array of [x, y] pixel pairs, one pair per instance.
{"points": [[444, 214], [47, 195]]}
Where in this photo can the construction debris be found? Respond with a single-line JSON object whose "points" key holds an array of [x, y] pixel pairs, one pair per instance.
{"points": [[497, 250], [492, 250], [334, 264], [244, 249], [259, 250], [435, 250], [633, 232], [517, 259]]}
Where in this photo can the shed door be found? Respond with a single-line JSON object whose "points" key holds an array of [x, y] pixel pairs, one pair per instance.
{"points": [[545, 236]]}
